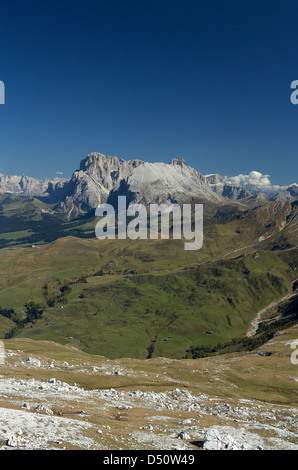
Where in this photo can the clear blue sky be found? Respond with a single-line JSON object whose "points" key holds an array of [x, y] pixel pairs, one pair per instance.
{"points": [[150, 79]]}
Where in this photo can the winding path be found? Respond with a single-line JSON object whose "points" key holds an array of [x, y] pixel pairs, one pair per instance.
{"points": [[257, 320]]}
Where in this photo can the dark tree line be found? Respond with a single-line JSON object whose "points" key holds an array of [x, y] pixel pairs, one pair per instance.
{"points": [[33, 312]]}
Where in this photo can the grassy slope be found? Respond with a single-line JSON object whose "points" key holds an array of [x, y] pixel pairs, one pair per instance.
{"points": [[240, 375], [152, 291]]}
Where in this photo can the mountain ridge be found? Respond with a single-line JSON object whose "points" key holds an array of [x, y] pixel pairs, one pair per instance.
{"points": [[101, 178]]}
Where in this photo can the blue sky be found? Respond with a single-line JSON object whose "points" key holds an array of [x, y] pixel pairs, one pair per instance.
{"points": [[207, 81]]}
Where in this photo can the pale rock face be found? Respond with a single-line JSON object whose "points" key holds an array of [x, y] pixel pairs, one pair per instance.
{"points": [[173, 182], [91, 185], [290, 193], [230, 191], [108, 171], [236, 192], [215, 179], [26, 186], [102, 178]]}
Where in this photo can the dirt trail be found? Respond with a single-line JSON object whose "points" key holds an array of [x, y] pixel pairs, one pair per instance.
{"points": [[258, 319]]}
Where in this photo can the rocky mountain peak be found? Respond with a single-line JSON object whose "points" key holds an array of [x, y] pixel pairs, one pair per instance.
{"points": [[26, 186], [107, 170], [293, 189], [215, 179], [101, 178], [178, 161]]}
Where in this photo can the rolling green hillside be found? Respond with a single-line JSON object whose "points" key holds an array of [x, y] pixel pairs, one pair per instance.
{"points": [[123, 298]]}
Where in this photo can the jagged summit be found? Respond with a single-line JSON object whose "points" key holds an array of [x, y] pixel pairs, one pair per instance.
{"points": [[288, 194], [101, 178], [26, 186], [178, 161], [96, 160]]}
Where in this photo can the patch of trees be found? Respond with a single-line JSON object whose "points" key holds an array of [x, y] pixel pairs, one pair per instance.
{"points": [[33, 312], [234, 345], [7, 312], [59, 297]]}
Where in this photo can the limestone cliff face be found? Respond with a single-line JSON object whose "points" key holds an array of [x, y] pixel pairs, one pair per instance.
{"points": [[221, 187], [25, 186], [109, 171], [92, 183], [290, 193], [215, 179], [102, 178], [161, 182]]}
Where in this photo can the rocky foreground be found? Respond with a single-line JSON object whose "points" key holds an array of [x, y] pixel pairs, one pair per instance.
{"points": [[51, 399]]}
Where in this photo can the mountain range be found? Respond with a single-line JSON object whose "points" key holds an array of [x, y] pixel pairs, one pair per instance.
{"points": [[102, 178]]}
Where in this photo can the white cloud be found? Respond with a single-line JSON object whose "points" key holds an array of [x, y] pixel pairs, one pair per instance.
{"points": [[255, 179], [59, 172]]}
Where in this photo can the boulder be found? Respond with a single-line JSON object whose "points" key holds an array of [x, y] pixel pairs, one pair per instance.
{"points": [[215, 440], [183, 435], [12, 441], [33, 362]]}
